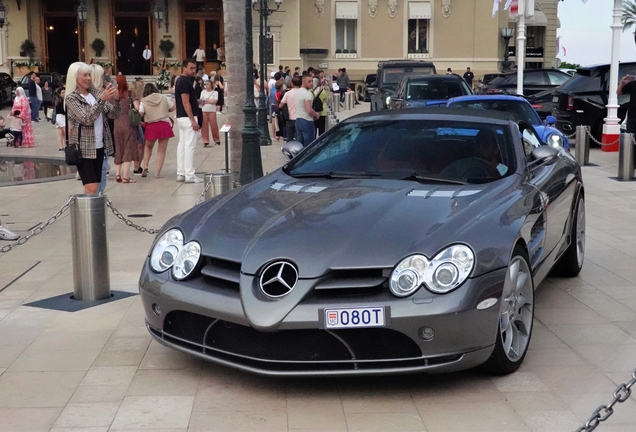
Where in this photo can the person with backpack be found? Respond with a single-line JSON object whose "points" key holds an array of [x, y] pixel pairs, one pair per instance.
{"points": [[305, 114], [319, 104]]}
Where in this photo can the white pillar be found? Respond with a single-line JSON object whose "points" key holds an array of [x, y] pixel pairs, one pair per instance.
{"points": [[611, 128], [521, 45], [5, 64]]}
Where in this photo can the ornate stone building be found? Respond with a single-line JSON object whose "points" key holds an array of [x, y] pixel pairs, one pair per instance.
{"points": [[355, 34]]}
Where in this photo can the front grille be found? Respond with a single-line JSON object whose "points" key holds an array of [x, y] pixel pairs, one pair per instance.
{"points": [[354, 281], [295, 350], [222, 272]]}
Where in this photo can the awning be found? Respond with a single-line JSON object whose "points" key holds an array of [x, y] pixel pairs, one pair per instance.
{"points": [[346, 10], [538, 20], [419, 10]]}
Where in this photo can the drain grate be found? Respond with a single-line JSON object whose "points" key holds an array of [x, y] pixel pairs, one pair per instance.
{"points": [[139, 215]]}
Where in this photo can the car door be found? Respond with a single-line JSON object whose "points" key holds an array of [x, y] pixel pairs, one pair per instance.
{"points": [[557, 185]]}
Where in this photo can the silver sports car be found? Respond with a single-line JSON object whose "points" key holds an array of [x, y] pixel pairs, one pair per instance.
{"points": [[400, 241]]}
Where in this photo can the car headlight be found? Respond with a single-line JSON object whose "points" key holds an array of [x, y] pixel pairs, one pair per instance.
{"points": [[447, 271], [187, 260], [555, 140], [166, 250], [388, 99]]}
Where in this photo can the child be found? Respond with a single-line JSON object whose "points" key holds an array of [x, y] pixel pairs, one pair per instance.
{"points": [[5, 132], [16, 128]]}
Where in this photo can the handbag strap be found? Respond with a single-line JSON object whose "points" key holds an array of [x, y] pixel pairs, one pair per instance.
{"points": [[130, 101]]}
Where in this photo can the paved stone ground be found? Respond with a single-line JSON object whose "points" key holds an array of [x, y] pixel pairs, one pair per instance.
{"points": [[97, 370]]}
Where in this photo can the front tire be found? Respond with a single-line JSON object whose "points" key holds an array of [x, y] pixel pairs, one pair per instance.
{"points": [[516, 315], [571, 262]]}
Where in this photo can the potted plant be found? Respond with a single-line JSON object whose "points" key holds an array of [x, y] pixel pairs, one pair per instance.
{"points": [[98, 46], [166, 46], [27, 49]]}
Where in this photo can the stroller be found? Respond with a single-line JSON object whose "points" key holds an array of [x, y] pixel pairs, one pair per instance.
{"points": [[5, 133]]}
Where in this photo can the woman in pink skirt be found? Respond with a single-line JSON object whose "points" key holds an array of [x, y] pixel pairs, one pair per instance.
{"points": [[155, 108], [21, 103]]}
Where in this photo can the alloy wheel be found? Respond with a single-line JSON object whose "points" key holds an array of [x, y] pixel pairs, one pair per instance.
{"points": [[515, 320], [580, 233]]}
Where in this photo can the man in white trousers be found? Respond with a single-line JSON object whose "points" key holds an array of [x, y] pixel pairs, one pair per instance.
{"points": [[187, 110]]}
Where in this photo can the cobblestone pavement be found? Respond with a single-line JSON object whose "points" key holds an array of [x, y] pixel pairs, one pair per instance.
{"points": [[97, 369]]}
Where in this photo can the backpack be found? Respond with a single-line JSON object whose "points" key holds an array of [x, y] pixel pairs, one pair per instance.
{"points": [[316, 104]]}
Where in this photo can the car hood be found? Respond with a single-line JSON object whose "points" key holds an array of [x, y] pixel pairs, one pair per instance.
{"points": [[322, 225]]}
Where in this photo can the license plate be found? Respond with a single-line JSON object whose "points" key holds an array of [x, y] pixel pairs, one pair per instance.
{"points": [[355, 317], [555, 99]]}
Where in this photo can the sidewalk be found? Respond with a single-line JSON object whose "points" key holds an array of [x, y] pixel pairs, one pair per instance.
{"points": [[97, 369]]}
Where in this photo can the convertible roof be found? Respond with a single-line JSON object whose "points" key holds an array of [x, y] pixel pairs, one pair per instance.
{"points": [[436, 113]]}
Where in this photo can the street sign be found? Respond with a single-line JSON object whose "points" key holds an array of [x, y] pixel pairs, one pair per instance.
{"points": [[268, 45], [556, 62], [323, 65]]}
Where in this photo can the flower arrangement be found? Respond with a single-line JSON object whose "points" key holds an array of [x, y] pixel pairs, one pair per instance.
{"points": [[163, 79], [29, 64], [167, 65], [105, 64]]}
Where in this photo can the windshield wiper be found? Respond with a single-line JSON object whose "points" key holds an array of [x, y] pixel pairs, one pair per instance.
{"points": [[334, 175], [424, 179]]}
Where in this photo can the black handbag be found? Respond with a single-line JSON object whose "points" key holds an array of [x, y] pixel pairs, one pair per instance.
{"points": [[72, 152]]}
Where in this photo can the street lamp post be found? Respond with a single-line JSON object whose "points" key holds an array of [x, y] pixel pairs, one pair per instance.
{"points": [[262, 6], [251, 162], [3, 14], [82, 15], [159, 12], [506, 33]]}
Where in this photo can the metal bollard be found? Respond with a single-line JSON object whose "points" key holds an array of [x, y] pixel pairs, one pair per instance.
{"points": [[349, 100], [582, 150], [91, 276], [626, 157], [221, 182], [335, 102]]}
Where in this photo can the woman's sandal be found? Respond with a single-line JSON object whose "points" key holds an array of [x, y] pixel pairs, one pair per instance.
{"points": [[128, 180], [118, 179]]}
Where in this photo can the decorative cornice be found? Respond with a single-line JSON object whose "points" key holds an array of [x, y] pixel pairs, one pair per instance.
{"points": [[319, 6], [373, 8], [393, 7], [446, 8]]}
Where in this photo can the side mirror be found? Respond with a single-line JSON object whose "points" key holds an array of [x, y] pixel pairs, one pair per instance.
{"points": [[550, 120], [373, 84], [544, 155], [290, 149]]}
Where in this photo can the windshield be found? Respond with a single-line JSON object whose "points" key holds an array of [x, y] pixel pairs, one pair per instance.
{"points": [[394, 75], [436, 89], [399, 149], [520, 110]]}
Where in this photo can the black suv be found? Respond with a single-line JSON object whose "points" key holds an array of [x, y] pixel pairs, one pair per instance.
{"points": [[534, 81], [420, 91], [583, 99], [389, 75]]}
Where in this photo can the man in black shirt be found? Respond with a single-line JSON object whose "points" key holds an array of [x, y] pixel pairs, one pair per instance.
{"points": [[468, 77], [628, 87], [187, 110]]}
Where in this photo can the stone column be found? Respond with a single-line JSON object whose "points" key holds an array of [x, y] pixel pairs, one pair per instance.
{"points": [[5, 64]]}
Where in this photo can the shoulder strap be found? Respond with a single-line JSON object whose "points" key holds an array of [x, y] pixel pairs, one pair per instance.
{"points": [[319, 92]]}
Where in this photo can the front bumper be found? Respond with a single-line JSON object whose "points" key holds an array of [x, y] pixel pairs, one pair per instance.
{"points": [[207, 320]]}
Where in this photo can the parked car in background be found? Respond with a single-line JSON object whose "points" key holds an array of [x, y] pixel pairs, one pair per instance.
{"points": [[583, 99], [534, 81], [486, 79], [54, 79], [520, 109], [281, 277], [542, 103], [364, 87], [420, 91], [7, 88], [389, 75]]}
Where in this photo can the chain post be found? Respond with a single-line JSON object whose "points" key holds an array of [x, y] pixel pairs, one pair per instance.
{"points": [[603, 412], [38, 229]]}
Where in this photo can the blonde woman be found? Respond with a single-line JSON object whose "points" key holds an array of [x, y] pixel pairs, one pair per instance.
{"points": [[155, 108], [208, 101], [88, 109]]}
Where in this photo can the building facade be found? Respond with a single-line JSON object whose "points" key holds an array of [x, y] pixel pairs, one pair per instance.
{"points": [[327, 34]]}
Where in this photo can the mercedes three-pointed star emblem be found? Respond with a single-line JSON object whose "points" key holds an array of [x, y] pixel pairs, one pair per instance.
{"points": [[278, 279]]}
